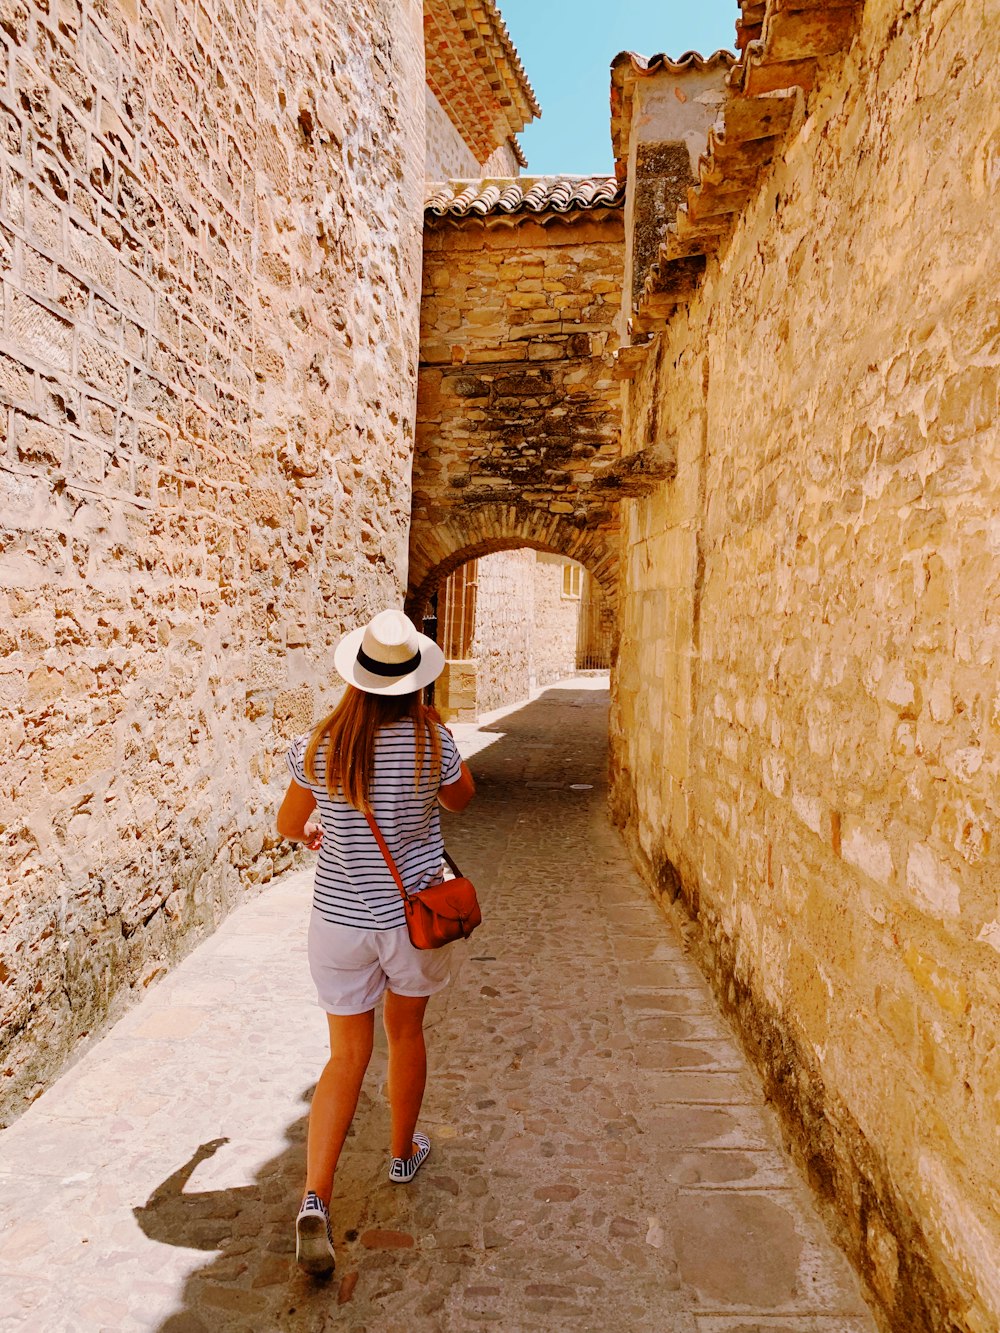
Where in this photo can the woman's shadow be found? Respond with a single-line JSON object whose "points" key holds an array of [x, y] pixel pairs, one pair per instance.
{"points": [[254, 1282]]}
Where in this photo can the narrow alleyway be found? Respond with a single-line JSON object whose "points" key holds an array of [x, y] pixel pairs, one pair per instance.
{"points": [[602, 1157]]}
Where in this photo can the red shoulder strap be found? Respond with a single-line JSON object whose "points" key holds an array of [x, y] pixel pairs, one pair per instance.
{"points": [[392, 864], [386, 853]]}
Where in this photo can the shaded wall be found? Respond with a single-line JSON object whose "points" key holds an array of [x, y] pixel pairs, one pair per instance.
{"points": [[207, 365], [807, 736], [518, 412]]}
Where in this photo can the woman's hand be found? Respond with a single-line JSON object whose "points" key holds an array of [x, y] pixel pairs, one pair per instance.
{"points": [[312, 835]]}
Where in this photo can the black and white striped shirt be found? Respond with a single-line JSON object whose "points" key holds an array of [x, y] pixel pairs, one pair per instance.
{"points": [[354, 886]]}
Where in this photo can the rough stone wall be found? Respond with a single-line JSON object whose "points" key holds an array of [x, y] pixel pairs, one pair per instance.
{"points": [[807, 729], [556, 618], [502, 162], [518, 410], [448, 155], [207, 371], [505, 617]]}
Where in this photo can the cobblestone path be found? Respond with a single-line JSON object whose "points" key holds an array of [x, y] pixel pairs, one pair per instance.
{"points": [[602, 1157]]}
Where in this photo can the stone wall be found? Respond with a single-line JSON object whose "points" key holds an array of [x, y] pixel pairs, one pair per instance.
{"points": [[207, 368], [525, 628], [523, 633], [807, 725], [505, 616], [448, 156], [555, 623], [518, 413], [503, 163]]}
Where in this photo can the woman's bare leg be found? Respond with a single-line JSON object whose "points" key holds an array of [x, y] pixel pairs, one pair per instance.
{"points": [[336, 1097], [403, 1016]]}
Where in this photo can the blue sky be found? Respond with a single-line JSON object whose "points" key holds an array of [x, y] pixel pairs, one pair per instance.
{"points": [[566, 47]]}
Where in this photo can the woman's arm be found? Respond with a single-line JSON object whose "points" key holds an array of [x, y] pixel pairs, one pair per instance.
{"points": [[457, 795], [293, 817]]}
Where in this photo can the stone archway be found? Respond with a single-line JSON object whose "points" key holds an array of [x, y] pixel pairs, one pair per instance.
{"points": [[518, 429], [437, 550]]}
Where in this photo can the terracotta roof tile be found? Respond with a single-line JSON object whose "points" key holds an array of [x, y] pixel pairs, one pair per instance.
{"points": [[474, 71], [522, 196]]}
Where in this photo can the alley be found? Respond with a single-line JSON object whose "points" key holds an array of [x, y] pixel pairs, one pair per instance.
{"points": [[602, 1159]]}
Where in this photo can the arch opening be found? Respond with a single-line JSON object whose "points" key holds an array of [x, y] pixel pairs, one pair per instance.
{"points": [[512, 618], [438, 549]]}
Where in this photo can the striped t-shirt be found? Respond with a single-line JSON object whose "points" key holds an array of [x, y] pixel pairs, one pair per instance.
{"points": [[354, 886]]}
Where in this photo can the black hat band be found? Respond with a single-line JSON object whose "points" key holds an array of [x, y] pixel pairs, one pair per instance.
{"points": [[388, 668]]}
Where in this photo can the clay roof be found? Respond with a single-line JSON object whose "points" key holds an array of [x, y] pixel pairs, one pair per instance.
{"points": [[522, 197], [781, 45], [474, 71], [628, 66]]}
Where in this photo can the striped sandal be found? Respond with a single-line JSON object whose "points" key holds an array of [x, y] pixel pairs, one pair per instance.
{"points": [[403, 1169]]}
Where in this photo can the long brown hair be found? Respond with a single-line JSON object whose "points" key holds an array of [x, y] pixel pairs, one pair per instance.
{"points": [[349, 733]]}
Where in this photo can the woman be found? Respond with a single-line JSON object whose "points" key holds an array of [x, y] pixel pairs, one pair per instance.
{"points": [[382, 750]]}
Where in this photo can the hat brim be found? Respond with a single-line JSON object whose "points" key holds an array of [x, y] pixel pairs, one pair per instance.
{"points": [[345, 659]]}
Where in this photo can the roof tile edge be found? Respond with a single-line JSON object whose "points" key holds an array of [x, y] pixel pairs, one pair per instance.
{"points": [[522, 197], [630, 65]]}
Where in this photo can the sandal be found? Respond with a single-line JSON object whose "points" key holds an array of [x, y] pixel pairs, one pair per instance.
{"points": [[403, 1169]]}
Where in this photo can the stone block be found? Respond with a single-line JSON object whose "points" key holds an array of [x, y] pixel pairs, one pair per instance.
{"points": [[861, 846], [42, 331], [932, 883], [172, 317]]}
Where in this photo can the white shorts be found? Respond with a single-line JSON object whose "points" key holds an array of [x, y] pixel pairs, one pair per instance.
{"points": [[353, 968]]}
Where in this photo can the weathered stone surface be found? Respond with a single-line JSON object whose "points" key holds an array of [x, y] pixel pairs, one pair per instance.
{"points": [[450, 157], [207, 377], [518, 407], [806, 724]]}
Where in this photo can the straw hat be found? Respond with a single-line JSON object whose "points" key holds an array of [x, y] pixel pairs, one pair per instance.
{"points": [[388, 656]]}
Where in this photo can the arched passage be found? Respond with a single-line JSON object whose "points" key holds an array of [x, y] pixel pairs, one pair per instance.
{"points": [[518, 424], [438, 549]]}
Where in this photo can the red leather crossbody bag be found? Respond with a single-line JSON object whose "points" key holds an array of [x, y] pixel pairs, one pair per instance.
{"points": [[441, 912]]}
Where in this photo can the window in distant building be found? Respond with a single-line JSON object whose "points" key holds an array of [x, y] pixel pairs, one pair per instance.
{"points": [[571, 580]]}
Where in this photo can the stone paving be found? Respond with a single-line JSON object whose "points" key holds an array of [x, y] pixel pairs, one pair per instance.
{"points": [[603, 1159]]}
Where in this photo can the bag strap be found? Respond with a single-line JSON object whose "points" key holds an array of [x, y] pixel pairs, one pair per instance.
{"points": [[392, 864], [387, 854]]}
